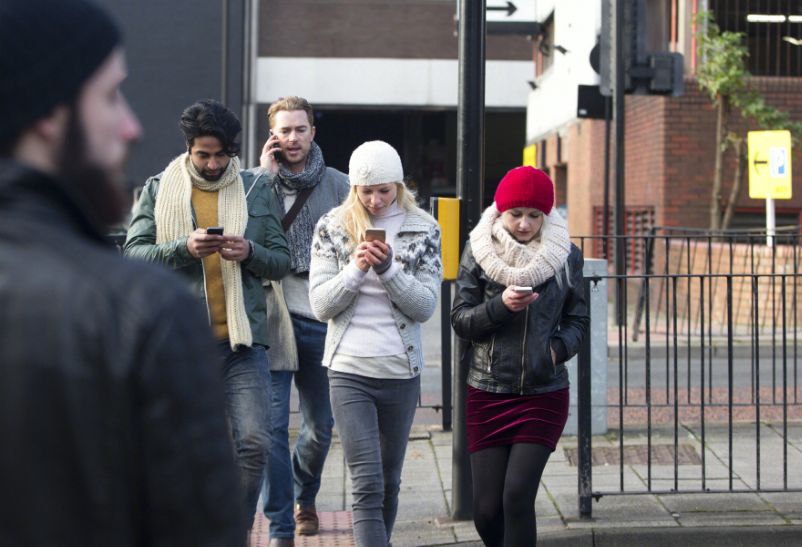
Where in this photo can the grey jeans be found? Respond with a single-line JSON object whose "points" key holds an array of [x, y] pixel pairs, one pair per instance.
{"points": [[373, 417]]}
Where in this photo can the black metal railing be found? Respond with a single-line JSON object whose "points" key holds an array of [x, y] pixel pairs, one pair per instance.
{"points": [[707, 354]]}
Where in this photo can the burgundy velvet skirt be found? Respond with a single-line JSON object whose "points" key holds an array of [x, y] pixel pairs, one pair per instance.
{"points": [[498, 419]]}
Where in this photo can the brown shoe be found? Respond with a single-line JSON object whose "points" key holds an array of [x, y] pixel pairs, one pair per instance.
{"points": [[281, 542], [306, 521]]}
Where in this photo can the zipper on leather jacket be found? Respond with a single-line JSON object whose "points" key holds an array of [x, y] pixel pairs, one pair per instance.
{"points": [[490, 355], [523, 349]]}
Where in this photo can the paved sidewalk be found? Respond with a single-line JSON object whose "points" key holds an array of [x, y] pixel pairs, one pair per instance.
{"points": [[685, 520], [710, 519]]}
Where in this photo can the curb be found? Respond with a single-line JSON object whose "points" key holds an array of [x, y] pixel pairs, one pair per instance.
{"points": [[709, 536]]}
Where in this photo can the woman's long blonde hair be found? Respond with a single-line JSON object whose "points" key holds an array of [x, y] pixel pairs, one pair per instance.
{"points": [[355, 219]]}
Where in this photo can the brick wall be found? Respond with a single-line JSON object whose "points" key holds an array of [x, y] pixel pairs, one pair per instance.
{"points": [[398, 29], [688, 128], [584, 154], [701, 258], [670, 144]]}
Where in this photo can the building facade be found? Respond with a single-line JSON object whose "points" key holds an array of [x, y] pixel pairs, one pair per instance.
{"points": [[669, 141], [388, 69]]}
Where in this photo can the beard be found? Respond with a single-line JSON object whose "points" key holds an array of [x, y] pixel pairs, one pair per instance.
{"points": [[210, 176], [106, 195]]}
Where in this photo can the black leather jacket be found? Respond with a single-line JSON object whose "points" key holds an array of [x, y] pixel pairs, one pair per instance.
{"points": [[511, 350], [112, 417]]}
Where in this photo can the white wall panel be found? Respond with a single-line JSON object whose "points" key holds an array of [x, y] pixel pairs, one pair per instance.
{"points": [[377, 82]]}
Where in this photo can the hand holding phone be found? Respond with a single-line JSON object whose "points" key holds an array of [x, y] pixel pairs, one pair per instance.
{"points": [[275, 148], [200, 245], [271, 154], [516, 298]]}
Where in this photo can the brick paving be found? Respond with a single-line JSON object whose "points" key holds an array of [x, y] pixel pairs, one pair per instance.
{"points": [[335, 531], [716, 405]]}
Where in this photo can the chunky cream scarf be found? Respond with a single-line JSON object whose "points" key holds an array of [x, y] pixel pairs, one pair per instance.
{"points": [[508, 262], [174, 220]]}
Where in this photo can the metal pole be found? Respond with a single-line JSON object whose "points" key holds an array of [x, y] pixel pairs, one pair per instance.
{"points": [[771, 227], [250, 138], [470, 182], [445, 352], [224, 54], [606, 212], [471, 112], [618, 103], [583, 421]]}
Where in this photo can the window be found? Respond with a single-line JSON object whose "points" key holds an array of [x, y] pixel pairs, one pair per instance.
{"points": [[638, 223], [773, 33]]}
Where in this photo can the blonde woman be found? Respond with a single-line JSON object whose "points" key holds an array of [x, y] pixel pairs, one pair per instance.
{"points": [[374, 277]]}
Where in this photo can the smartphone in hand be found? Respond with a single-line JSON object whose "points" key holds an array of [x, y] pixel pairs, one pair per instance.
{"points": [[214, 230], [522, 290], [375, 234], [276, 146]]}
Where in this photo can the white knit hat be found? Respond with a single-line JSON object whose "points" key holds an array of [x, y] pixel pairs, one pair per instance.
{"points": [[375, 162]]}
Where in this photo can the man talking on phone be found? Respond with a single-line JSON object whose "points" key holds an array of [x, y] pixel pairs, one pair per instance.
{"points": [[306, 189], [111, 406], [215, 225]]}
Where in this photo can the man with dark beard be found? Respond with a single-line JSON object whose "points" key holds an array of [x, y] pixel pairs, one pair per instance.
{"points": [[111, 406], [215, 225]]}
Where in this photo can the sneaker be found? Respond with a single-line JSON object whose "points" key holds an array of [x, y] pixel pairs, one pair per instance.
{"points": [[306, 521]]}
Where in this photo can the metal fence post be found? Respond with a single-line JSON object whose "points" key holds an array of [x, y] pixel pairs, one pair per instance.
{"points": [[445, 352], [584, 469], [461, 479]]}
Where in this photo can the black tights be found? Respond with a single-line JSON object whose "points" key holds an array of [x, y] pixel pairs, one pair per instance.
{"points": [[505, 483]]}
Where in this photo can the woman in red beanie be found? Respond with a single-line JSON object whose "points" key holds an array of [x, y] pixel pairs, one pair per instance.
{"points": [[521, 304]]}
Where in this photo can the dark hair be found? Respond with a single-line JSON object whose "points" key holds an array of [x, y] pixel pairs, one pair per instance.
{"points": [[210, 118]]}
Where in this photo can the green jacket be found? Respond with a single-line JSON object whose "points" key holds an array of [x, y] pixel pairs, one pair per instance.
{"points": [[270, 259]]}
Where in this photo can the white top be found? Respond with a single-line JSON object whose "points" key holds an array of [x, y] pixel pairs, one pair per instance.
{"points": [[387, 367], [372, 331]]}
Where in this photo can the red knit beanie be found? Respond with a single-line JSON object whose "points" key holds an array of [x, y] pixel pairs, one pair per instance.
{"points": [[525, 187]]}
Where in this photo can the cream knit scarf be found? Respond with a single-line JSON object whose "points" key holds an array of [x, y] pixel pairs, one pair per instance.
{"points": [[508, 262], [174, 220]]}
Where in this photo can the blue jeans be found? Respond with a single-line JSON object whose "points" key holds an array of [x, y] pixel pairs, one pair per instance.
{"points": [[247, 385], [298, 478], [374, 417]]}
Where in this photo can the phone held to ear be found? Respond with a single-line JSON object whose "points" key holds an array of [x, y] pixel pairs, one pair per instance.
{"points": [[276, 146], [375, 234], [214, 230], [522, 290]]}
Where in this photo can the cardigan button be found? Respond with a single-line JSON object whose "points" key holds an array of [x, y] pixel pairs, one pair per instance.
{"points": [[403, 325], [410, 348]]}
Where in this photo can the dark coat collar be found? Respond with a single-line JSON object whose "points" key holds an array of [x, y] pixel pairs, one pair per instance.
{"points": [[27, 194]]}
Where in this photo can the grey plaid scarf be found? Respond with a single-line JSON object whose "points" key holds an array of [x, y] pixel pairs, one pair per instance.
{"points": [[299, 234]]}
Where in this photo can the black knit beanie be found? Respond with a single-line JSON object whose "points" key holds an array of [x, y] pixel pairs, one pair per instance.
{"points": [[48, 50]]}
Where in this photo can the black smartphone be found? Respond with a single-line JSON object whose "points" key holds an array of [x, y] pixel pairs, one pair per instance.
{"points": [[214, 230], [278, 155]]}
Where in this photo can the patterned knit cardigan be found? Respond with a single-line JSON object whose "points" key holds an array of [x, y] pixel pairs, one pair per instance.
{"points": [[412, 290]]}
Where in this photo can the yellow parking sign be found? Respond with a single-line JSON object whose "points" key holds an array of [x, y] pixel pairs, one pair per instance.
{"points": [[769, 155]]}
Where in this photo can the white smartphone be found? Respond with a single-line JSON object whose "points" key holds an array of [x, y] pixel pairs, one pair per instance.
{"points": [[375, 234], [522, 290]]}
